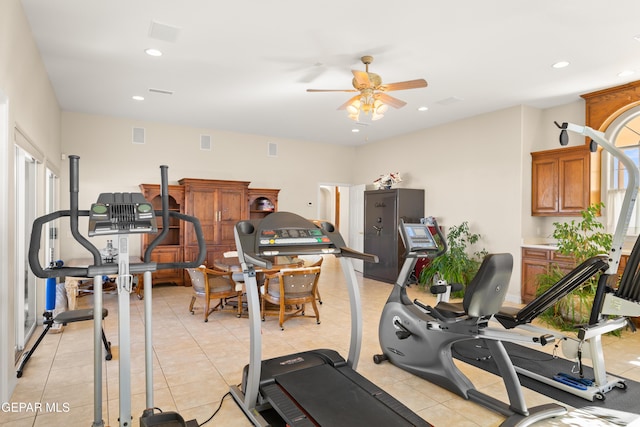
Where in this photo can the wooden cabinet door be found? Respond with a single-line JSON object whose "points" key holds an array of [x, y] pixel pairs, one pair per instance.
{"points": [[231, 205], [544, 185], [573, 182], [201, 205], [530, 271]]}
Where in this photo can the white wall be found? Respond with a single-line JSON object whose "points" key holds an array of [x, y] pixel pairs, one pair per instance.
{"points": [[110, 162], [470, 170], [32, 108]]}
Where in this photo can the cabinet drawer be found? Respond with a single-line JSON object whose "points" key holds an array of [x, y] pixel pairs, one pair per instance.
{"points": [[558, 257], [533, 253]]}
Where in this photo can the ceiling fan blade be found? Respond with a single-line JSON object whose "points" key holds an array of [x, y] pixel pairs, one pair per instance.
{"points": [[346, 104], [390, 100], [362, 78], [409, 84], [331, 90]]}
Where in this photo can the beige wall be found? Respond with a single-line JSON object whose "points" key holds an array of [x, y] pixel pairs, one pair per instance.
{"points": [[470, 170], [110, 162], [33, 109]]}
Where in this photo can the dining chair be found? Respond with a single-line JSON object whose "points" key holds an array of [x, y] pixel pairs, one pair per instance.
{"points": [[290, 289], [211, 285], [313, 261]]}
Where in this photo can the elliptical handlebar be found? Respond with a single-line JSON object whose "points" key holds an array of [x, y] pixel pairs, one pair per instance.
{"points": [[100, 267]]}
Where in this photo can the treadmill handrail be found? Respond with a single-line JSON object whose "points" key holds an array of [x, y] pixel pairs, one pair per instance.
{"points": [[352, 253]]}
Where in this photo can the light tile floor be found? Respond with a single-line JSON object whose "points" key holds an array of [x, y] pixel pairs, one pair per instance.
{"points": [[196, 362]]}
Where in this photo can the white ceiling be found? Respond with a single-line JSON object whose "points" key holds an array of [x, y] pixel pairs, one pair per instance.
{"points": [[244, 66]]}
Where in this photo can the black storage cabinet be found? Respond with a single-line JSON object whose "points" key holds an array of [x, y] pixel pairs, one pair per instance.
{"points": [[382, 212]]}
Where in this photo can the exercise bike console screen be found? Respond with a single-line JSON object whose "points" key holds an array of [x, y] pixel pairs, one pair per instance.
{"points": [[417, 237]]}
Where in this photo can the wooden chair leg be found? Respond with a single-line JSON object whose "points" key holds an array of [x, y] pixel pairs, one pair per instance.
{"points": [[315, 309], [193, 300], [281, 314], [239, 304], [318, 297], [206, 308]]}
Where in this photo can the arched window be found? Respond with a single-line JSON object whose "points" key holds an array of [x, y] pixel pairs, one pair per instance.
{"points": [[624, 132]]}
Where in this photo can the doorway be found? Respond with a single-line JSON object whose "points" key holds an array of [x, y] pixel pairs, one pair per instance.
{"points": [[343, 206]]}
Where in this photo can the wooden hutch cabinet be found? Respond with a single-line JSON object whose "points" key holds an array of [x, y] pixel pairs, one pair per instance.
{"points": [[171, 248], [218, 205], [560, 181], [262, 201]]}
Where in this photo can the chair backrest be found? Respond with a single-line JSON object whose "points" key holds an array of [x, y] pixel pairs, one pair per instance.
{"points": [[485, 294], [218, 281], [312, 260], [197, 279], [297, 282]]}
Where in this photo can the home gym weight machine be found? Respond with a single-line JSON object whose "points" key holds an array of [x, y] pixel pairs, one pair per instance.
{"points": [[620, 303], [419, 338], [317, 387], [119, 214]]}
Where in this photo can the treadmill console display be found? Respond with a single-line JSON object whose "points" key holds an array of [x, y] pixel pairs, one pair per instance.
{"points": [[418, 237], [293, 236]]}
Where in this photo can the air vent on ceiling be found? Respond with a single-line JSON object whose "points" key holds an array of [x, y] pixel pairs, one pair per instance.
{"points": [[272, 149], [138, 136], [162, 91], [450, 100], [165, 32], [205, 142]]}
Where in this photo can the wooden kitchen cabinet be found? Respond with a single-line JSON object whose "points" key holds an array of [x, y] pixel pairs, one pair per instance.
{"points": [[560, 181], [536, 261]]}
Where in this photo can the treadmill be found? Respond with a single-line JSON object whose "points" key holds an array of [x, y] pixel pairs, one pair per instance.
{"points": [[317, 387]]}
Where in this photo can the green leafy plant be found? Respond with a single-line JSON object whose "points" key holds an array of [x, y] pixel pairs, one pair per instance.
{"points": [[456, 265], [581, 240]]}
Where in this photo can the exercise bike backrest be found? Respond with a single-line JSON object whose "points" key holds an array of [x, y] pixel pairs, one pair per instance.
{"points": [[121, 224], [487, 291]]}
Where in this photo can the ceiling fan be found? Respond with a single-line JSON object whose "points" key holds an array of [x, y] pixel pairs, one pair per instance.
{"points": [[372, 97]]}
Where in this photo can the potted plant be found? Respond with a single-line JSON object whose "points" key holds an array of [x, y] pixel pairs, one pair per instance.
{"points": [[456, 265], [582, 240]]}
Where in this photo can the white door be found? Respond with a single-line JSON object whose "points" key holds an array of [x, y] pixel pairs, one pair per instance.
{"points": [[356, 222], [25, 281]]}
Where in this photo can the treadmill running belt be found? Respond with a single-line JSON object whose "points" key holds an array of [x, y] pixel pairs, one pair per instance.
{"points": [[331, 399]]}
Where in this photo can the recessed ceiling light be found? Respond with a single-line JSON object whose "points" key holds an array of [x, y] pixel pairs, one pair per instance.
{"points": [[561, 64], [423, 108], [153, 52], [625, 73], [637, 37], [355, 130], [137, 98]]}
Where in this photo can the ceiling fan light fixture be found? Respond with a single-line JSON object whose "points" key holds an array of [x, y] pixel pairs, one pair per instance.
{"points": [[376, 116], [379, 107], [353, 108]]}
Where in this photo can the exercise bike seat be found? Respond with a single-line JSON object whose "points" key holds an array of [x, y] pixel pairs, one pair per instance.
{"points": [[486, 292]]}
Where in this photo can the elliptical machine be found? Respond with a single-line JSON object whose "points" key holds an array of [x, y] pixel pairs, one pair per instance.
{"points": [[119, 214], [418, 338]]}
